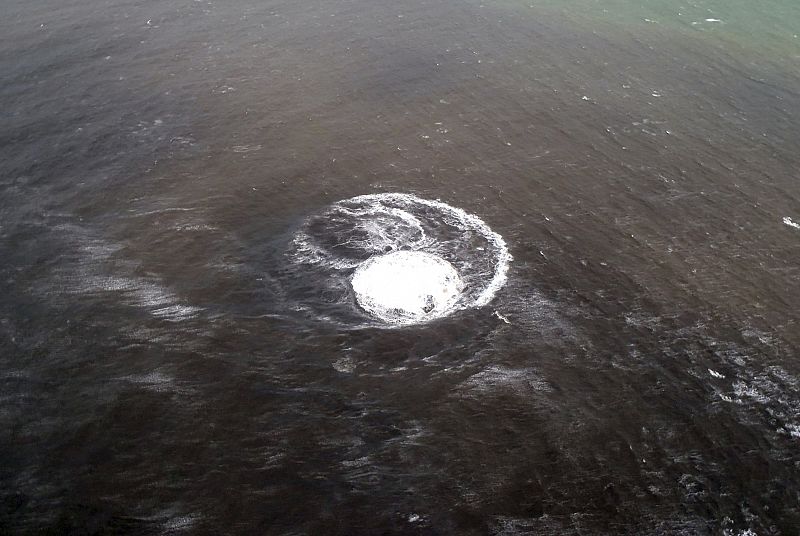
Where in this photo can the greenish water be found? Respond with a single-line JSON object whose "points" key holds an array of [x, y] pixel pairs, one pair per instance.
{"points": [[763, 27]]}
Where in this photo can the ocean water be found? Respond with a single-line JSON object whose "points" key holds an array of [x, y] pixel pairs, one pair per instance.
{"points": [[169, 363]]}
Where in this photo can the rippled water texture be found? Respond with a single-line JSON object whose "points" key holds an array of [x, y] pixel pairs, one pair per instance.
{"points": [[184, 348]]}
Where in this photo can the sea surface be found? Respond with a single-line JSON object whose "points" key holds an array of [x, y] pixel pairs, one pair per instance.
{"points": [[169, 364]]}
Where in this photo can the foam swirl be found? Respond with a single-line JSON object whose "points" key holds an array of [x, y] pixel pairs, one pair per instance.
{"points": [[396, 259]]}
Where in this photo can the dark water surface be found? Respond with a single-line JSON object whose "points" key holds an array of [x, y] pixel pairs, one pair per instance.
{"points": [[641, 160]]}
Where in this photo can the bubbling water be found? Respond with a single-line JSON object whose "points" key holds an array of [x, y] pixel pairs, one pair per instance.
{"points": [[406, 287], [395, 259]]}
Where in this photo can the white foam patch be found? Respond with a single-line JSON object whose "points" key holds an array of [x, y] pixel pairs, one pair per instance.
{"points": [[406, 287], [181, 523], [788, 221]]}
